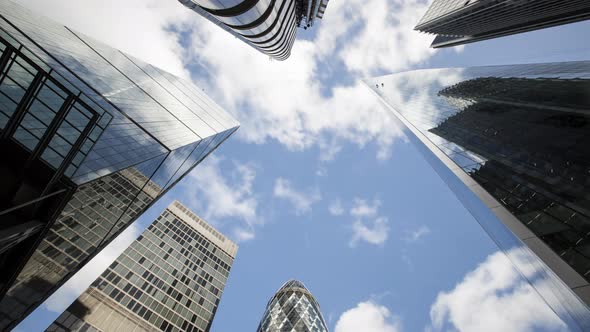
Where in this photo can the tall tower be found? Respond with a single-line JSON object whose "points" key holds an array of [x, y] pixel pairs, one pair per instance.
{"points": [[512, 143], [292, 309], [94, 136], [457, 22], [268, 26], [170, 279]]}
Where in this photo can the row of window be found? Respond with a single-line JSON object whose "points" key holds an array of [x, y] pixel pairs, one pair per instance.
{"points": [[149, 287], [168, 266], [160, 318], [188, 269], [148, 295], [196, 254], [189, 234]]}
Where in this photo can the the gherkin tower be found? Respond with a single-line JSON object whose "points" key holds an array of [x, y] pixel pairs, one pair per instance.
{"points": [[292, 309]]}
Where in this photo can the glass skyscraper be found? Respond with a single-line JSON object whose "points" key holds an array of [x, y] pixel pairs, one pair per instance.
{"points": [[513, 143], [170, 279], [292, 309], [268, 26], [90, 138], [457, 22]]}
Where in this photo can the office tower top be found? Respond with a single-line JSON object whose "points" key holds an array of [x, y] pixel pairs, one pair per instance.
{"points": [[170, 279], [292, 309], [512, 143], [268, 26], [94, 136], [457, 22]]}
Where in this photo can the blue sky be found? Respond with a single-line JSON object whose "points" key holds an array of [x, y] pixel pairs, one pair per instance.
{"points": [[319, 183]]}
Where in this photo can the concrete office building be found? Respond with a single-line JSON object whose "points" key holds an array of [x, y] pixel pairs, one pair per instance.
{"points": [[268, 26], [94, 136], [170, 279], [292, 309], [512, 142], [458, 22]]}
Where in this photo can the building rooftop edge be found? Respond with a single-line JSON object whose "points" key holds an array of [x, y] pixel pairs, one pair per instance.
{"points": [[202, 226]]}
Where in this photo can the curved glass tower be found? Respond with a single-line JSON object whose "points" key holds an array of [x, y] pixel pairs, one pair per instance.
{"points": [[267, 25], [294, 309]]}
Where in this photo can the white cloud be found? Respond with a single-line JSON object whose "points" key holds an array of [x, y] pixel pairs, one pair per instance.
{"points": [[376, 35], [242, 235], [328, 150], [225, 194], [138, 27], [313, 98], [367, 225], [417, 234], [321, 171], [302, 201], [66, 294], [493, 297], [283, 100], [361, 208], [405, 256], [336, 208], [375, 232], [304, 101], [368, 317]]}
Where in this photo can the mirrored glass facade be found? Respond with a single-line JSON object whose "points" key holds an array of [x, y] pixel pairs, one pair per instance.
{"points": [[170, 279], [292, 309], [513, 143], [457, 22], [95, 137], [267, 25]]}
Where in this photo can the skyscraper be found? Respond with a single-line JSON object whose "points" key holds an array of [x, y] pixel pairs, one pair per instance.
{"points": [[457, 22], [94, 136], [512, 142], [268, 26], [170, 279], [292, 309]]}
